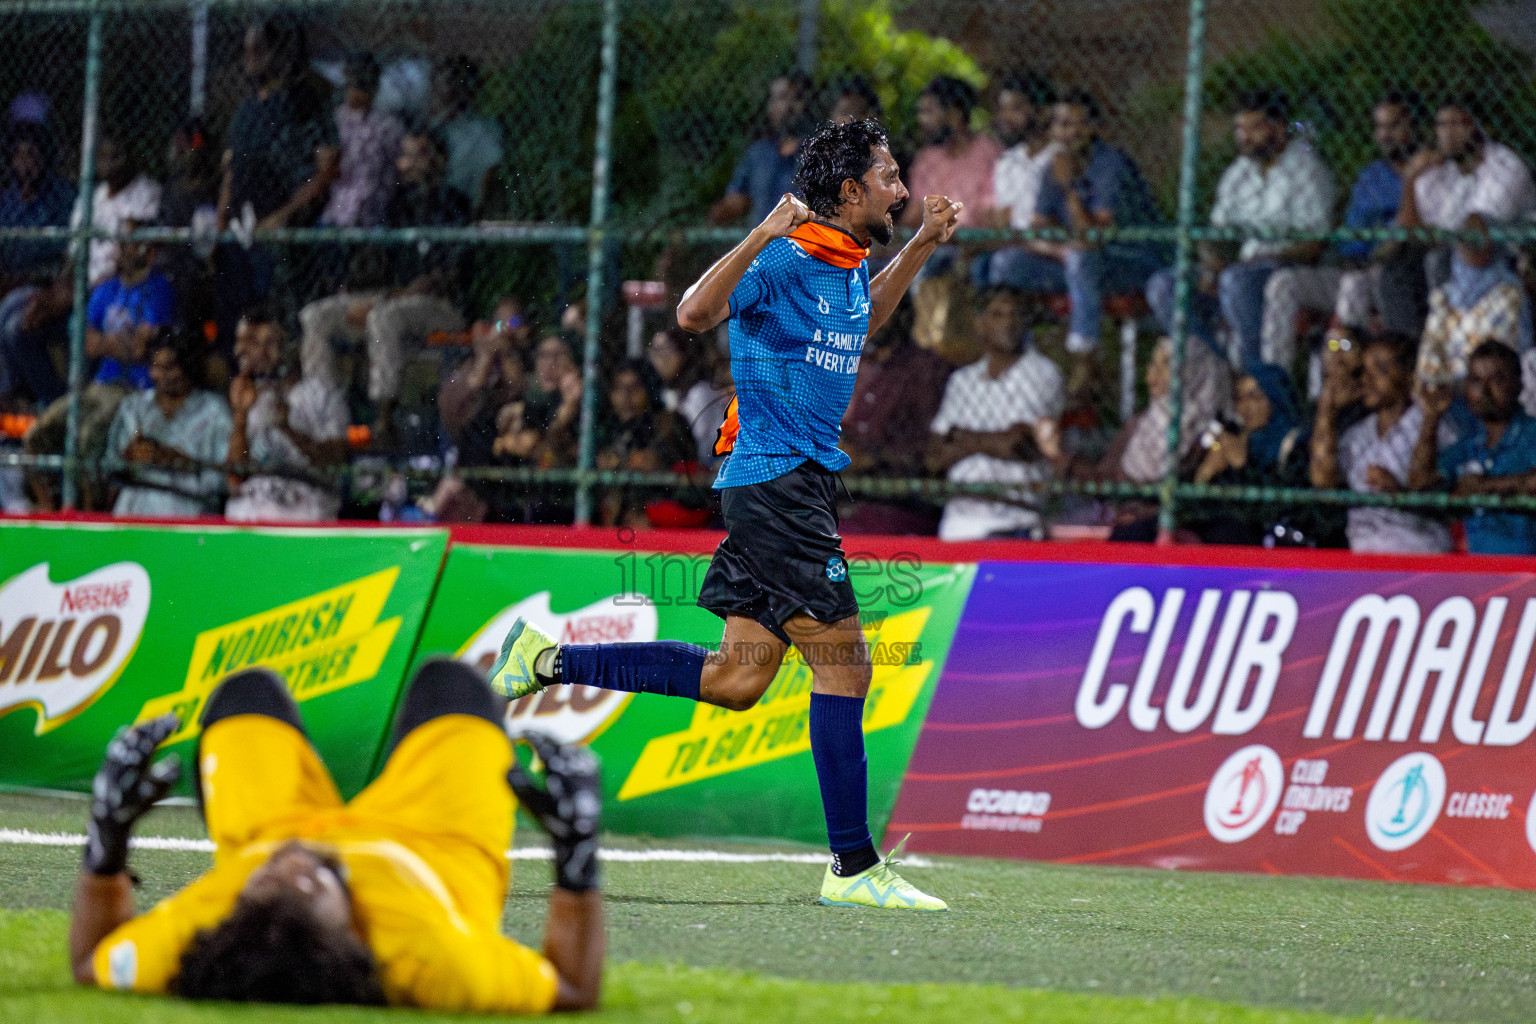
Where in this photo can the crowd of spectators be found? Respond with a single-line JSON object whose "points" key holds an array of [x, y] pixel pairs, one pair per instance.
{"points": [[219, 383]]}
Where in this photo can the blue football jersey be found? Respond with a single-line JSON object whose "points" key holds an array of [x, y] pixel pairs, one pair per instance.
{"points": [[797, 329]]}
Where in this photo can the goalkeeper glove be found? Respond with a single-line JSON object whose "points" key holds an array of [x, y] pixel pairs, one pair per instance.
{"points": [[125, 788], [568, 807]]}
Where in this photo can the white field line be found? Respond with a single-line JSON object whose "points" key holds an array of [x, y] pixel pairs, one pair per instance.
{"points": [[26, 837]]}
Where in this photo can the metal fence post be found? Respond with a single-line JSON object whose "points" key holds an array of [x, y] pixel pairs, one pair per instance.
{"points": [[1194, 83], [596, 246], [82, 246]]}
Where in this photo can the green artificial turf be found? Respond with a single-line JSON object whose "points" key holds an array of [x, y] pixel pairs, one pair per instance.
{"points": [[728, 942]]}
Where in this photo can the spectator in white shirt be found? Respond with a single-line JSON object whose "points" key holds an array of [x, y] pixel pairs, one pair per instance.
{"points": [[285, 428], [985, 428], [123, 193], [1276, 183], [1465, 173], [1375, 455], [1022, 123]]}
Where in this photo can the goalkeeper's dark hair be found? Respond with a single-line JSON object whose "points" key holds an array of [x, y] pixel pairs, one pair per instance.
{"points": [[833, 154], [274, 951]]}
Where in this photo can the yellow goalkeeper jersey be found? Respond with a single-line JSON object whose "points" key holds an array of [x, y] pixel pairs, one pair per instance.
{"points": [[424, 847]]}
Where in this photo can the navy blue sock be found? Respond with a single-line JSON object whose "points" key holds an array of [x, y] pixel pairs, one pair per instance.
{"points": [[837, 746], [667, 667]]}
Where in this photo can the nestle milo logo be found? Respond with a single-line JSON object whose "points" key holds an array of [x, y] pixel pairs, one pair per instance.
{"points": [[62, 645]]}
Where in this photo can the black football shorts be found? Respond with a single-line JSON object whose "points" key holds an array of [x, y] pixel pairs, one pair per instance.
{"points": [[782, 554]]}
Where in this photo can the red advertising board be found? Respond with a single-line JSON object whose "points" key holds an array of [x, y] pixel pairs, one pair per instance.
{"points": [[1278, 718]]}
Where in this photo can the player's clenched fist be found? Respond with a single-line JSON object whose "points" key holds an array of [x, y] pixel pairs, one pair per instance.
{"points": [[940, 217], [786, 217]]}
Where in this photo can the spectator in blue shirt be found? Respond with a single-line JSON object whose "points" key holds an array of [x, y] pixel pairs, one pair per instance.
{"points": [[36, 198], [123, 316], [1091, 184], [1363, 275], [1498, 457], [767, 168]]}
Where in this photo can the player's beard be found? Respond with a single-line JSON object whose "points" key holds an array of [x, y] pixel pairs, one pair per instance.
{"points": [[884, 230]]}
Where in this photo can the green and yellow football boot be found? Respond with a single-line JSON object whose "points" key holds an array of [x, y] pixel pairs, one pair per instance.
{"points": [[515, 672], [879, 887]]}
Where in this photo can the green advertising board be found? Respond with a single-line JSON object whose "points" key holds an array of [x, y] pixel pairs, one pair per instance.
{"points": [[673, 767], [101, 625]]}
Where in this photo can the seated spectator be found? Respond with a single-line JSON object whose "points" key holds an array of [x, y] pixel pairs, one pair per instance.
{"points": [[472, 140], [1139, 453], [1263, 448], [35, 198], [681, 360], [1340, 366], [1275, 183], [767, 169], [985, 429], [885, 430], [1360, 281], [1091, 184], [34, 320], [1374, 455], [554, 402], [1022, 124], [637, 435], [1465, 173], [125, 314], [856, 101], [1498, 458], [429, 281], [472, 400], [170, 443], [123, 193], [370, 146], [954, 161], [284, 429], [1481, 301]]}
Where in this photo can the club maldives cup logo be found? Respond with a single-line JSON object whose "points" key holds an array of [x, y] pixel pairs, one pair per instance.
{"points": [[1243, 793], [1405, 802], [571, 714], [62, 645]]}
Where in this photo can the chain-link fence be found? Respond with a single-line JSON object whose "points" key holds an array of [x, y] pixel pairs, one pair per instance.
{"points": [[472, 222]]}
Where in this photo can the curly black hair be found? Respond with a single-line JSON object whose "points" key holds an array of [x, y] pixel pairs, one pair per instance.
{"points": [[833, 154], [274, 951]]}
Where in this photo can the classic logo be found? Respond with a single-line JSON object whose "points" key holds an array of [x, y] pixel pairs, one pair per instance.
{"points": [[62, 645], [571, 714], [837, 569], [1243, 793], [1405, 802]]}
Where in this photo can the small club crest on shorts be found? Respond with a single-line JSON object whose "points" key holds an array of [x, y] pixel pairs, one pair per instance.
{"points": [[837, 569]]}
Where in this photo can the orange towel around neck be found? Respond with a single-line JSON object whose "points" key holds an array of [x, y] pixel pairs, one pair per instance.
{"points": [[830, 245]]}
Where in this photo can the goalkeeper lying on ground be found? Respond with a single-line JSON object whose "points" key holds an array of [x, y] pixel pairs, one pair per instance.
{"points": [[395, 897]]}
